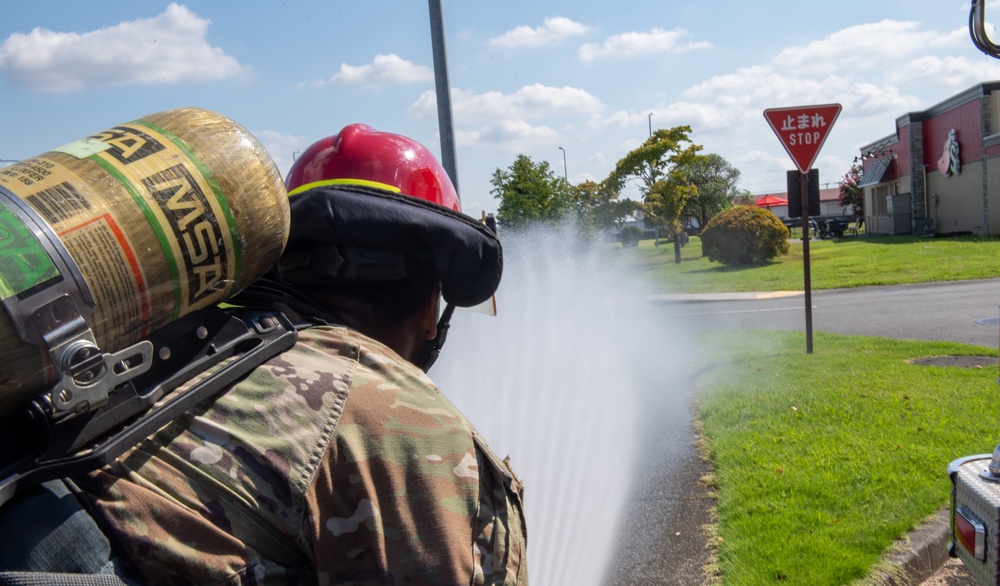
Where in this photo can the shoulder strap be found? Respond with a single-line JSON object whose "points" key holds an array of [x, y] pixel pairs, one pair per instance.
{"points": [[184, 349]]}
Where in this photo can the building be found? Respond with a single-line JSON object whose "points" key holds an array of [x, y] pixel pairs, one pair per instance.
{"points": [[939, 173]]}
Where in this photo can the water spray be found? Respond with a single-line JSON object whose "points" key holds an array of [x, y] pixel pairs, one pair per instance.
{"points": [[568, 380]]}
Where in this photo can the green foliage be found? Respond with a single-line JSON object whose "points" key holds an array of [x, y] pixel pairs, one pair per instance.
{"points": [[530, 193], [741, 197], [823, 461], [850, 193], [658, 165], [716, 181], [744, 236], [630, 236], [598, 209]]}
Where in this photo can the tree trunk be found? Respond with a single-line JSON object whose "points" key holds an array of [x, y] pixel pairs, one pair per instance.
{"points": [[677, 248], [701, 229]]}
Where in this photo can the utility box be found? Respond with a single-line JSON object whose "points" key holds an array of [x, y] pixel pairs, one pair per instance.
{"points": [[975, 515], [899, 211]]}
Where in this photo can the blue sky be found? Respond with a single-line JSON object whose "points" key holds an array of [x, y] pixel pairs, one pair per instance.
{"points": [[527, 77]]}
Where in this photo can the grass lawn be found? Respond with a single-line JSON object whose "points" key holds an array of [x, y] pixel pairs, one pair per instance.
{"points": [[848, 262], [821, 461]]}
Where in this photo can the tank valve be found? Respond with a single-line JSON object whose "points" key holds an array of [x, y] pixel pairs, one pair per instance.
{"points": [[992, 471]]}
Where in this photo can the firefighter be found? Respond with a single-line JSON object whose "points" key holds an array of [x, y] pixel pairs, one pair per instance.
{"points": [[338, 461]]}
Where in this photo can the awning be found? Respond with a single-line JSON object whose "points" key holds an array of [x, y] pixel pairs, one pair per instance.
{"points": [[874, 172], [769, 201]]}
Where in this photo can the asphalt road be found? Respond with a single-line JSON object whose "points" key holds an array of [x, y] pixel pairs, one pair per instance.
{"points": [[958, 311], [663, 539]]}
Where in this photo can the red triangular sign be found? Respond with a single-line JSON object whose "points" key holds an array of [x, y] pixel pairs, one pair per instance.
{"points": [[802, 130]]}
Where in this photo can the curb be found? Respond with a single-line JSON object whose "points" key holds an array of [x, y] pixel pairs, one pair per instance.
{"points": [[696, 297], [920, 556]]}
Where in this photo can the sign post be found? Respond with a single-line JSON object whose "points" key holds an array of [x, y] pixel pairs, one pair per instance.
{"points": [[802, 130]]}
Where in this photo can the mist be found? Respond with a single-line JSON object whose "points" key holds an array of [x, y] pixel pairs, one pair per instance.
{"points": [[572, 379]]}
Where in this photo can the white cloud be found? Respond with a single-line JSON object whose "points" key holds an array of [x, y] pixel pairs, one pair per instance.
{"points": [[865, 47], [552, 31], [167, 49], [530, 102], [954, 72], [281, 147], [634, 44], [510, 136], [876, 71], [383, 70], [749, 91], [882, 100]]}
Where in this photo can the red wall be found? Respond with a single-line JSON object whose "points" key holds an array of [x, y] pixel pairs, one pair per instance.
{"points": [[903, 160], [965, 120]]}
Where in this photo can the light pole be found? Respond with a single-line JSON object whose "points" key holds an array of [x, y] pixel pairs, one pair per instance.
{"points": [[442, 89], [565, 173], [651, 124]]}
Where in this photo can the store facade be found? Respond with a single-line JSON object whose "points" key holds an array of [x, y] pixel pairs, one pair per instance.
{"points": [[940, 172]]}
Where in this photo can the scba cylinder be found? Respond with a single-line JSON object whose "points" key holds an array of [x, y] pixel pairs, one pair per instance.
{"points": [[160, 217]]}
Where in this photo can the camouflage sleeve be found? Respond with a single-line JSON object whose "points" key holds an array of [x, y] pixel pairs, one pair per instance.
{"points": [[335, 463], [408, 492]]}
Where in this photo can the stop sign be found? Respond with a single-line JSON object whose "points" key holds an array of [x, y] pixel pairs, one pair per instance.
{"points": [[802, 130]]}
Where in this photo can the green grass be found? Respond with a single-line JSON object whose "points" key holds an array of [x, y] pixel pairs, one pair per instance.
{"points": [[822, 460], [848, 262]]}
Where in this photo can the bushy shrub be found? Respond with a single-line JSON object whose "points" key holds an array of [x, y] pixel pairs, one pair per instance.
{"points": [[744, 236]]}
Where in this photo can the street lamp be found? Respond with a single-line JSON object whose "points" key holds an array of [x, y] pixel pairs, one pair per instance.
{"points": [[565, 173]]}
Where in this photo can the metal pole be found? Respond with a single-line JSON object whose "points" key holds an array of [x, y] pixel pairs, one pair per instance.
{"points": [[443, 90], [650, 124], [804, 194], [565, 172]]}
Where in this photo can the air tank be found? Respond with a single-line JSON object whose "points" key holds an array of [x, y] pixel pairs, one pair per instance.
{"points": [[152, 219]]}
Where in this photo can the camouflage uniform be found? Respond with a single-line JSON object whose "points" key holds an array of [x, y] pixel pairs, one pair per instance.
{"points": [[336, 462]]}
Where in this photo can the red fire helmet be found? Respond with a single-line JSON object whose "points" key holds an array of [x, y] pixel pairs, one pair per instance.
{"points": [[366, 204], [361, 155]]}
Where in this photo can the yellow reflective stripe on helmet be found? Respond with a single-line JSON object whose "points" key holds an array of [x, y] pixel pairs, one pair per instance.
{"points": [[326, 182]]}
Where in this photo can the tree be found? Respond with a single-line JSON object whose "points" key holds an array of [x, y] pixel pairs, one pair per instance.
{"points": [[598, 208], [530, 193], [742, 197], [658, 165], [850, 193], [716, 180]]}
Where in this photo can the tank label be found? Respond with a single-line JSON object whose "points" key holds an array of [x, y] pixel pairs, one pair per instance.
{"points": [[88, 218], [189, 215], [83, 148], [24, 264], [181, 207]]}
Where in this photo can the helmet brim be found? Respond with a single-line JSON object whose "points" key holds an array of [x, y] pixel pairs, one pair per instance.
{"points": [[466, 253]]}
